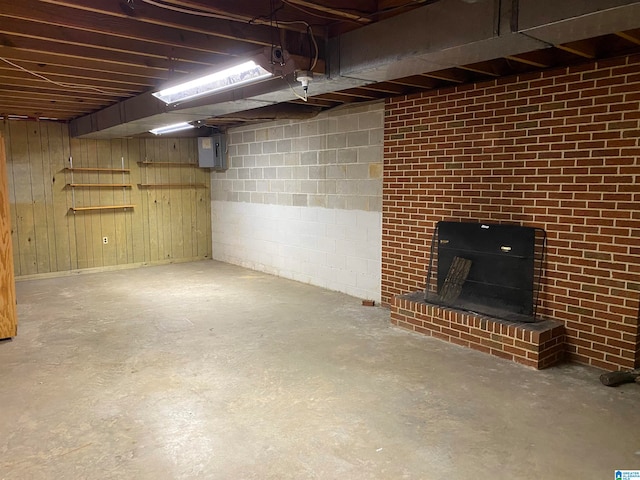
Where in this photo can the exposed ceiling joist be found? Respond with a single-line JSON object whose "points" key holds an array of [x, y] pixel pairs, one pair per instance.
{"points": [[38, 111], [40, 106], [489, 68], [527, 60], [631, 36], [348, 95], [71, 82], [233, 10], [44, 99], [89, 51], [338, 12], [43, 95], [416, 81], [108, 42], [449, 75], [145, 16], [81, 56], [385, 88], [50, 90], [78, 77], [364, 93], [582, 48], [28, 59]]}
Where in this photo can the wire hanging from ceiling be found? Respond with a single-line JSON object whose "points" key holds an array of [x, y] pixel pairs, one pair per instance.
{"points": [[272, 19], [314, 50], [59, 84], [313, 45], [312, 38]]}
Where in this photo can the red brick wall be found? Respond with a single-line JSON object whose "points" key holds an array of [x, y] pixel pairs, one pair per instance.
{"points": [[559, 150]]}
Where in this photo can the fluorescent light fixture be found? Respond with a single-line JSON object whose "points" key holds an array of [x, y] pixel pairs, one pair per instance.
{"points": [[247, 72], [176, 127]]}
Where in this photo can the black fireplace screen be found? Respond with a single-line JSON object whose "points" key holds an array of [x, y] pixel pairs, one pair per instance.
{"points": [[485, 268]]}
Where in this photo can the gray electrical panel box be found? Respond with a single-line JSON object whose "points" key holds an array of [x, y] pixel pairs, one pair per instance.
{"points": [[212, 152]]}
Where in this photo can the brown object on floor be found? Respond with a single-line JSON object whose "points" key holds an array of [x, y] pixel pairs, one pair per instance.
{"points": [[456, 276], [619, 377], [368, 303]]}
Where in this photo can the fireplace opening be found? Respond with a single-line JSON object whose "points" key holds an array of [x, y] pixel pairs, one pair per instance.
{"points": [[488, 269]]}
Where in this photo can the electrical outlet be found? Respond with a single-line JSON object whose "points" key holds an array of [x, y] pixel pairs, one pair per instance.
{"points": [[105, 240]]}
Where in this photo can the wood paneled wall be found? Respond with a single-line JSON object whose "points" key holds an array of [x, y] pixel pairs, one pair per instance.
{"points": [[166, 223], [8, 315]]}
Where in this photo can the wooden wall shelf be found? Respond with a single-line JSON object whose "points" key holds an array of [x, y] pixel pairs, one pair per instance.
{"points": [[169, 185], [101, 207], [99, 185], [84, 183], [95, 169], [168, 164]]}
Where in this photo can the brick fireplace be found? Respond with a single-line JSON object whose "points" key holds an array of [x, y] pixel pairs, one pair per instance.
{"points": [[557, 150]]}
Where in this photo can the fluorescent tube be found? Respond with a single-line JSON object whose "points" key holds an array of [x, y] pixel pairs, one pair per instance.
{"points": [[247, 72], [176, 127]]}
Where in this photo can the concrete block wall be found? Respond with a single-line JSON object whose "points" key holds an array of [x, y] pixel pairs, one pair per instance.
{"points": [[302, 199]]}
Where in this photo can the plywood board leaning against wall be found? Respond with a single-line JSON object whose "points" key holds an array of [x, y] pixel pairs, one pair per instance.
{"points": [[8, 315]]}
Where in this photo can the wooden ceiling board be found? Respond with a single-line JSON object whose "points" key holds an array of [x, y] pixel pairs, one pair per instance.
{"points": [[80, 76], [81, 96], [91, 52], [18, 98], [29, 58], [140, 15], [110, 43], [70, 82]]}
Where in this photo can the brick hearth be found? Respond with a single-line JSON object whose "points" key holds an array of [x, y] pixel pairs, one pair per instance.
{"points": [[539, 344]]}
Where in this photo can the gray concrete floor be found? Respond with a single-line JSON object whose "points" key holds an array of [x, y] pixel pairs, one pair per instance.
{"points": [[207, 370]]}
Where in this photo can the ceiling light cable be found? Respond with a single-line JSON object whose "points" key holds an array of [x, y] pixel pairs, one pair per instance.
{"points": [[59, 84], [311, 36], [315, 46], [213, 15]]}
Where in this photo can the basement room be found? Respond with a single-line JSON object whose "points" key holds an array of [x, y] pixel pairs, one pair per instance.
{"points": [[319, 239]]}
